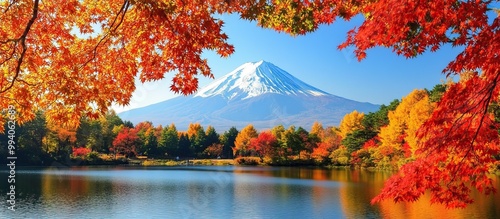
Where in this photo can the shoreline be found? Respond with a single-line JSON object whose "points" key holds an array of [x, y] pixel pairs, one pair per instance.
{"points": [[198, 162]]}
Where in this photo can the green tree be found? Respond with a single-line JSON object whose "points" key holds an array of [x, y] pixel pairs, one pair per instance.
{"points": [[150, 143], [89, 134], [355, 140], [212, 136], [292, 141], [373, 121], [30, 137], [437, 92], [108, 123], [128, 124], [198, 142], [185, 146], [279, 132], [227, 140], [169, 141]]}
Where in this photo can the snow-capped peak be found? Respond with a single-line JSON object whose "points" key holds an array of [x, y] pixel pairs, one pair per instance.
{"points": [[255, 78]]}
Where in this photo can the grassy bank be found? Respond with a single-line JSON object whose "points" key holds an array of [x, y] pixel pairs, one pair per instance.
{"points": [[195, 162]]}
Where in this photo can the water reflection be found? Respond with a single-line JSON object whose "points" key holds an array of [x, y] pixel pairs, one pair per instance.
{"points": [[218, 192]]}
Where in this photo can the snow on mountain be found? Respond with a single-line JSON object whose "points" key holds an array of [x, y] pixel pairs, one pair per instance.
{"points": [[257, 93], [256, 78]]}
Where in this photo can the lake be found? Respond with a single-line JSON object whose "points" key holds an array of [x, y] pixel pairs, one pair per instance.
{"points": [[217, 192]]}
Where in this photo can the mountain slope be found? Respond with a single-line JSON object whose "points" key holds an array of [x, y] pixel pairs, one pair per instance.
{"points": [[259, 93], [253, 79]]}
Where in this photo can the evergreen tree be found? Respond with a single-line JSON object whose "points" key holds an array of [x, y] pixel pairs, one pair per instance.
{"points": [[227, 140], [185, 146], [169, 141]]}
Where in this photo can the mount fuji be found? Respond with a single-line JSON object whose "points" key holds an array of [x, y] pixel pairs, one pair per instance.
{"points": [[257, 93]]}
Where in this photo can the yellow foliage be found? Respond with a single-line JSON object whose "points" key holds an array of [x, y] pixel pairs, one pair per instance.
{"points": [[350, 123], [413, 111], [193, 129], [317, 129]]}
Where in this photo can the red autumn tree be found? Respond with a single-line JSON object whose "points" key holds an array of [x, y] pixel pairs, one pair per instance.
{"points": [[459, 140], [264, 144], [80, 152], [126, 142]]}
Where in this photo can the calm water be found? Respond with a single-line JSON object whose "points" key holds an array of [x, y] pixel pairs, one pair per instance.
{"points": [[216, 192]]}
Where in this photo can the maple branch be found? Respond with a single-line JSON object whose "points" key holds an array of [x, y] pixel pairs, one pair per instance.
{"points": [[487, 102], [11, 55], [471, 108], [13, 99], [8, 6], [23, 44], [27, 83], [123, 10]]}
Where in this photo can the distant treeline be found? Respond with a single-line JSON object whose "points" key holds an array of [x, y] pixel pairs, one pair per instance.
{"points": [[382, 139]]}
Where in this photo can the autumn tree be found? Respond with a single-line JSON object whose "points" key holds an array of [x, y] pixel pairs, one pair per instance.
{"points": [[317, 129], [351, 122], [126, 142], [404, 121], [80, 151], [309, 142], [142, 129], [278, 131], [264, 145], [213, 151], [243, 140], [59, 141], [291, 141], [330, 141], [193, 129]]}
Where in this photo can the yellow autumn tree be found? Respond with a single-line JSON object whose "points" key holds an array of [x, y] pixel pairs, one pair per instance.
{"points": [[317, 129], [193, 129], [243, 140], [350, 123], [405, 120]]}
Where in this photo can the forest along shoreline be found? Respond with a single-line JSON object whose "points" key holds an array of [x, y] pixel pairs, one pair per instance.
{"points": [[383, 140]]}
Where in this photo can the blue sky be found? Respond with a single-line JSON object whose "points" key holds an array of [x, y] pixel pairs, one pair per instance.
{"points": [[314, 58]]}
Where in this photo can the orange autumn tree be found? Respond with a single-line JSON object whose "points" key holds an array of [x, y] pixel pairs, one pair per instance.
{"points": [[77, 57], [243, 139]]}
